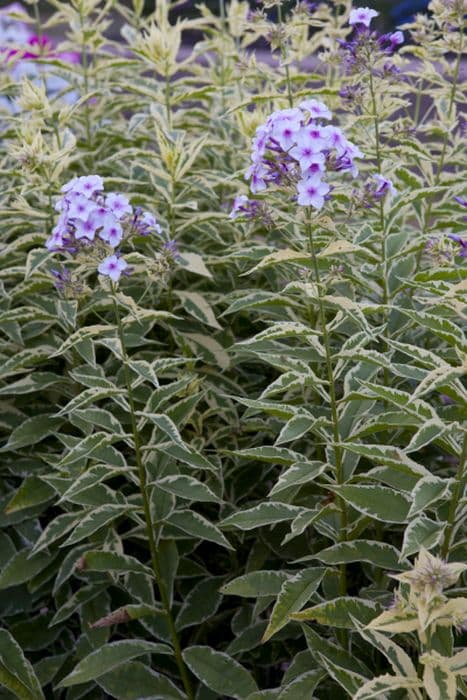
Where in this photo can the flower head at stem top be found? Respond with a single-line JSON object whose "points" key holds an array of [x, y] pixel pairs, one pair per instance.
{"points": [[431, 575], [95, 225], [295, 150]]}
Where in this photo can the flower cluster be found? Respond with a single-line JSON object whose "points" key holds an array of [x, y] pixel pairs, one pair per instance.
{"points": [[379, 187], [89, 220], [367, 44], [462, 242], [251, 209], [295, 148]]}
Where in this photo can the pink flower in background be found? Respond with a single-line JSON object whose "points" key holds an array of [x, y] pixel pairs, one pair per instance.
{"points": [[20, 48]]}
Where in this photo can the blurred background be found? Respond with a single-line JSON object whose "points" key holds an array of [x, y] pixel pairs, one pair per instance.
{"points": [[392, 12]]}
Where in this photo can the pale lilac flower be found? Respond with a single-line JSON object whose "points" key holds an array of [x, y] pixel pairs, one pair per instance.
{"points": [[112, 267], [384, 186], [307, 152], [284, 126], [362, 15], [118, 204], [256, 173], [389, 42], [239, 204], [88, 185], [293, 147], [86, 229], [101, 214], [70, 185], [311, 192], [314, 164], [335, 138], [55, 240], [397, 38], [149, 221], [317, 110], [461, 241], [80, 207], [260, 139], [111, 232]]}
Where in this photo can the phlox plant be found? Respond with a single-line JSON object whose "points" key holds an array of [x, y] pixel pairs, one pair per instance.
{"points": [[233, 280]]}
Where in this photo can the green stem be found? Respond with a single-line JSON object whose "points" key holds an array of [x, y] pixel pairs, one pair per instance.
{"points": [[222, 53], [338, 452], [38, 26], [283, 51], [442, 157], [85, 64], [384, 264], [147, 509], [456, 496], [168, 109]]}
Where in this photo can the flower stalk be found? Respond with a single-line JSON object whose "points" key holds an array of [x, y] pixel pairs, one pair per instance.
{"points": [[338, 452], [156, 565]]}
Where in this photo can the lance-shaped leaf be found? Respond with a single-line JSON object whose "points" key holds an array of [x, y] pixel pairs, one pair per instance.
{"points": [[429, 432], [340, 612], [427, 491], [109, 657], [32, 492], [112, 561], [198, 526], [377, 502], [400, 661], [295, 592], [133, 681], [188, 487], [274, 455], [196, 305], [94, 520], [256, 584], [385, 684], [22, 567], [347, 678], [421, 533], [266, 513], [32, 431], [388, 456], [166, 425], [299, 473], [16, 673], [378, 554], [219, 672], [320, 646], [201, 603]]}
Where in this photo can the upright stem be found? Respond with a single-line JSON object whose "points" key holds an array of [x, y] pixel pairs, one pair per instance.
{"points": [[384, 264], [38, 24], [456, 496], [156, 565], [338, 452], [444, 146], [284, 54], [222, 53], [168, 109], [84, 59]]}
